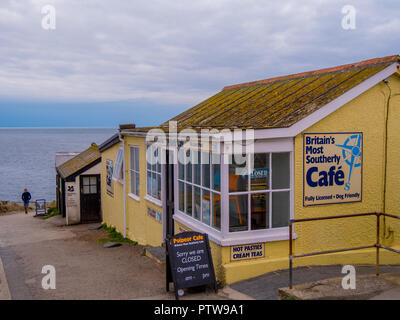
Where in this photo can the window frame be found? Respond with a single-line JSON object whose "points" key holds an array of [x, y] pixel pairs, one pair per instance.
{"points": [[118, 173], [223, 236], [150, 197], [134, 172], [270, 191], [210, 189]]}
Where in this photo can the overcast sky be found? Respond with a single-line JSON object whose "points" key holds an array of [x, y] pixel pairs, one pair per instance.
{"points": [[110, 62]]}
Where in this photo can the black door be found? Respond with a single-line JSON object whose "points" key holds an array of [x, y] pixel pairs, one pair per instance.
{"points": [[90, 198]]}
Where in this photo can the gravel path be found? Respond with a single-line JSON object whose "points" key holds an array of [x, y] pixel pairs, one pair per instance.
{"points": [[84, 269]]}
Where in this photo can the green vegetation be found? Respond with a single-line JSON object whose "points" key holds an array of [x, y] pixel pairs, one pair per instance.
{"points": [[9, 206], [114, 236], [51, 212]]}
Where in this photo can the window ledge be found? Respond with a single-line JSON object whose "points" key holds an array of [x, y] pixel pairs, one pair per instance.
{"points": [[153, 200], [268, 236], [234, 238], [134, 196]]}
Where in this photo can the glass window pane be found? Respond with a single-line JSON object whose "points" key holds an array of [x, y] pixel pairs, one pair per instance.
{"points": [[189, 199], [158, 186], [181, 197], [196, 167], [137, 184], [259, 211], [216, 221], [132, 158], [149, 183], [154, 185], [148, 157], [205, 160], [118, 172], [238, 178], [281, 170], [93, 180], [181, 171], [121, 171], [238, 211], [259, 178], [196, 208], [86, 189], [93, 188], [206, 208], [189, 166], [216, 171], [133, 186], [85, 181], [137, 166], [154, 153], [280, 209]]}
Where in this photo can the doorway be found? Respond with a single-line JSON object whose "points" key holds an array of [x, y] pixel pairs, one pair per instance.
{"points": [[90, 198]]}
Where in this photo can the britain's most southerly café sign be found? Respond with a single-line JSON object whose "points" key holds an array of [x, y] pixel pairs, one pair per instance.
{"points": [[332, 168]]}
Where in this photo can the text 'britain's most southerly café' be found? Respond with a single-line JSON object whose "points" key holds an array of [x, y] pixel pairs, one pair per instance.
{"points": [[325, 143]]}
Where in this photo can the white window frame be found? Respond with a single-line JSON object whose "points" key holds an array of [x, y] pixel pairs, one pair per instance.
{"points": [[150, 197], [118, 173], [133, 172], [224, 237], [202, 188], [269, 191]]}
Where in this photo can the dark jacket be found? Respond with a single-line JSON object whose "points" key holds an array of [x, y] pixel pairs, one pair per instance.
{"points": [[26, 196]]}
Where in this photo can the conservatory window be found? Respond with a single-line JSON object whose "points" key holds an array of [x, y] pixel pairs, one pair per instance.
{"points": [[199, 187], [259, 197]]}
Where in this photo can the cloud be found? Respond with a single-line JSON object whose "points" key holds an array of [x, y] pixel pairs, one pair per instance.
{"points": [[178, 52]]}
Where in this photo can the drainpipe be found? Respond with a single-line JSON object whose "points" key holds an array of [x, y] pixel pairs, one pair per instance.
{"points": [[123, 154]]}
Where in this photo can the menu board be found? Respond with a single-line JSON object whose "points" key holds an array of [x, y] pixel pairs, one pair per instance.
{"points": [[189, 261]]}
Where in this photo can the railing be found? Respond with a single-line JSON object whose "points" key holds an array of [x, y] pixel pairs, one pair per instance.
{"points": [[377, 245]]}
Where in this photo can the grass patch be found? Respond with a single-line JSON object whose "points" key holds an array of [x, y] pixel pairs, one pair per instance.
{"points": [[114, 236], [51, 212]]}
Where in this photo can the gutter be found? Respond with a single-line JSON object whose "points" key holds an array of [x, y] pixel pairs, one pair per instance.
{"points": [[123, 154]]}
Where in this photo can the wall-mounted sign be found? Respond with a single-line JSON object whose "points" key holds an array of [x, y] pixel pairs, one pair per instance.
{"points": [[154, 214], [248, 251], [71, 199], [332, 165], [109, 180], [189, 261]]}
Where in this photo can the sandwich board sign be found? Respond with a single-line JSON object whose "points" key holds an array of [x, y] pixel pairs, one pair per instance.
{"points": [[189, 261]]}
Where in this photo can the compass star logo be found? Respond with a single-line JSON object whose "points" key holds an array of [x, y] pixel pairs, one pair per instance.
{"points": [[352, 154]]}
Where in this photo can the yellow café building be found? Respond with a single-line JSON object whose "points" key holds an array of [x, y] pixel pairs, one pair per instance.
{"points": [[242, 164]]}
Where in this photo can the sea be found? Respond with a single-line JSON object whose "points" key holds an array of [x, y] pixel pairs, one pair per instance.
{"points": [[27, 157]]}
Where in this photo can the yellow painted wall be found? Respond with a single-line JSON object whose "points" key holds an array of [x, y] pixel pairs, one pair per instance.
{"points": [[367, 114], [112, 206], [140, 226]]}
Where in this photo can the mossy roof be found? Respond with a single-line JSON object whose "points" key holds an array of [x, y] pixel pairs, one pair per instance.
{"points": [[80, 161], [278, 102]]}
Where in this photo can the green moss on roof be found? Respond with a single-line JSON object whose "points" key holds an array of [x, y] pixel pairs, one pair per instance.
{"points": [[79, 162], [279, 102]]}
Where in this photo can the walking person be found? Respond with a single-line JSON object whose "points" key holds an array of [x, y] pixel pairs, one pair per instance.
{"points": [[26, 196]]}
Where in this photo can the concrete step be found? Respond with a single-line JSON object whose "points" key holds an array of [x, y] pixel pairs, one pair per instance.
{"points": [[156, 253]]}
